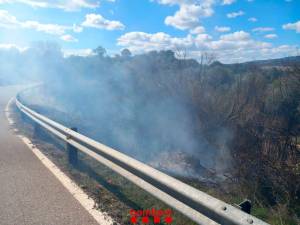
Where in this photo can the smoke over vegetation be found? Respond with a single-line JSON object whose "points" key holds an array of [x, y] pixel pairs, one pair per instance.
{"points": [[237, 123], [123, 102], [126, 103]]}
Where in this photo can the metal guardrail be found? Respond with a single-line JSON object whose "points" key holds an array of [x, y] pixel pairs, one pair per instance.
{"points": [[196, 205]]}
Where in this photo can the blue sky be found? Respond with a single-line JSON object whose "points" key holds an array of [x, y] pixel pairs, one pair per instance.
{"points": [[233, 30]]}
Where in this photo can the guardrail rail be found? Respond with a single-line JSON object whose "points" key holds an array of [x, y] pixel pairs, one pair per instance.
{"points": [[191, 202]]}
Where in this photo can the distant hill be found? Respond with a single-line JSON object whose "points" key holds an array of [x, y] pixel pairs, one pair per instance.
{"points": [[292, 60], [280, 63]]}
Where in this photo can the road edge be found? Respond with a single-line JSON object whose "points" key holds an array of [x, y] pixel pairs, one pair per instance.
{"points": [[85, 201]]}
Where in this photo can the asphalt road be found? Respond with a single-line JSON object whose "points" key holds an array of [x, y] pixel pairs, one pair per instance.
{"points": [[29, 192]]}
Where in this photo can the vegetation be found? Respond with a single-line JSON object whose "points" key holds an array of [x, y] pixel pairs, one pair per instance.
{"points": [[250, 112]]}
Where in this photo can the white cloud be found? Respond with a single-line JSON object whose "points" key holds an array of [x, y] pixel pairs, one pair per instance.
{"points": [[70, 5], [54, 29], [292, 26], [252, 19], [98, 21], [8, 46], [239, 40], [228, 2], [197, 30], [140, 41], [222, 29], [77, 29], [77, 52], [202, 41], [263, 29], [68, 38], [190, 12], [271, 36], [236, 36], [9, 21], [235, 14], [233, 47]]}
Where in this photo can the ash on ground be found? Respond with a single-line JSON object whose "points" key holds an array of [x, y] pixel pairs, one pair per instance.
{"points": [[179, 163]]}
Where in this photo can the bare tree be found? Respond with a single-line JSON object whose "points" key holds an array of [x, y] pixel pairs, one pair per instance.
{"points": [[180, 53]]}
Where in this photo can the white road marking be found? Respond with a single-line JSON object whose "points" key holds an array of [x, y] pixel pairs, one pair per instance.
{"points": [[7, 113]]}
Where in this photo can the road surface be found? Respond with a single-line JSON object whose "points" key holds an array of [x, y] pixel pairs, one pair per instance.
{"points": [[29, 192]]}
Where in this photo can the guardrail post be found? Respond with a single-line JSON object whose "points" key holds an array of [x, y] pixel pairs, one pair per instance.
{"points": [[37, 130], [24, 117], [245, 206], [72, 151]]}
